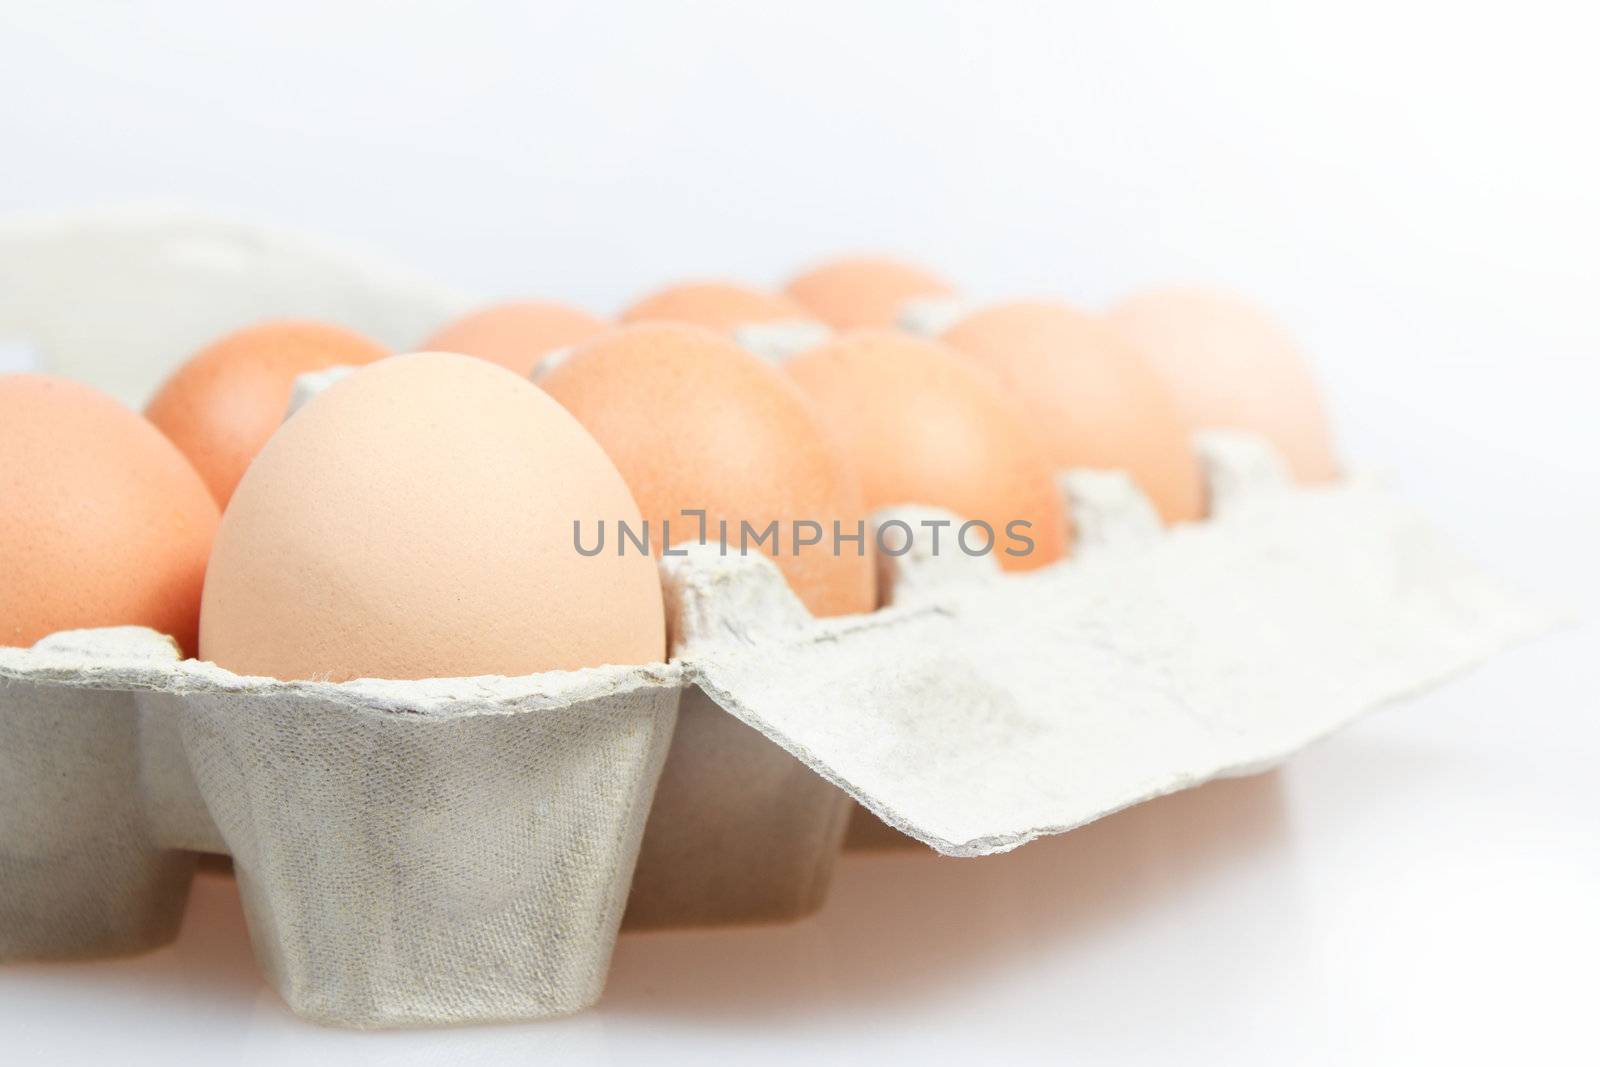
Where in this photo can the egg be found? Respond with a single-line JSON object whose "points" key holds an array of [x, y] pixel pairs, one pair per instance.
{"points": [[924, 426], [102, 521], [220, 407], [864, 291], [1092, 399], [416, 520], [1231, 366], [693, 421], [518, 334], [720, 306]]}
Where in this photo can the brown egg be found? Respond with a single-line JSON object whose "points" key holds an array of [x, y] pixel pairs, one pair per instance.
{"points": [[517, 335], [720, 306], [695, 422], [102, 521], [924, 426], [415, 520], [220, 407], [864, 291], [1231, 366], [1089, 395]]}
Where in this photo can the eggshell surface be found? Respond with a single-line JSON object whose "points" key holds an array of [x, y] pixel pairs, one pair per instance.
{"points": [[720, 306], [863, 292], [923, 426], [1231, 366], [1090, 396], [415, 520], [693, 421], [220, 407], [102, 521], [518, 334]]}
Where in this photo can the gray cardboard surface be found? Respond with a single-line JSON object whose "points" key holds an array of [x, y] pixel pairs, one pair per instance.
{"points": [[408, 852]]}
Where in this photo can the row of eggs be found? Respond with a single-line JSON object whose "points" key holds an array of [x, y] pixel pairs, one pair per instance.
{"points": [[416, 518]]}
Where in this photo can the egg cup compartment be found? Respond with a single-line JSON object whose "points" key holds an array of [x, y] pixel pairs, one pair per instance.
{"points": [[429, 852], [740, 832]]}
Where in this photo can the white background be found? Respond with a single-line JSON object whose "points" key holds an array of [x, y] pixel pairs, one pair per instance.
{"points": [[1412, 187]]}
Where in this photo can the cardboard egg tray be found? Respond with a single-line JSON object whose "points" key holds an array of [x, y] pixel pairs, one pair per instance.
{"points": [[464, 850]]}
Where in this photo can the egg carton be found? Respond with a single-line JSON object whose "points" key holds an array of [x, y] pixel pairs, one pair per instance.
{"points": [[460, 850], [162, 282]]}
